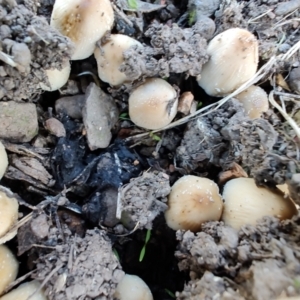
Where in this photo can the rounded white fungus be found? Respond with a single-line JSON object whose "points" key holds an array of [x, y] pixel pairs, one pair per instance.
{"points": [[255, 101], [132, 287], [9, 268], [153, 104], [84, 22], [245, 203], [193, 200], [110, 57], [56, 78], [24, 291], [3, 160], [233, 60], [9, 207]]}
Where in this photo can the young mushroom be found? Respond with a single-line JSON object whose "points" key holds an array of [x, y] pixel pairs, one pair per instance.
{"points": [[3, 160], [84, 22], [153, 104], [28, 290], [9, 207], [255, 101], [245, 203], [132, 287], [110, 57], [56, 78], [233, 61], [9, 268], [193, 200]]}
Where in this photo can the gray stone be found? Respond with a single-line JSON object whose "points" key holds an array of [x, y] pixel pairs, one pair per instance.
{"points": [[100, 114], [18, 121], [72, 106]]}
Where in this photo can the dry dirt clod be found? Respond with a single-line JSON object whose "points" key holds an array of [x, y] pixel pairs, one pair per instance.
{"points": [[143, 199], [71, 106], [84, 268], [18, 121]]}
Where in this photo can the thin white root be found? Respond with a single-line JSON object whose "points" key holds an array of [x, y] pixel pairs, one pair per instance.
{"points": [[7, 59], [285, 115]]}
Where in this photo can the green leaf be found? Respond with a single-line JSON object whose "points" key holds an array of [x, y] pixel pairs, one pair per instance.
{"points": [[124, 116], [132, 4], [199, 105], [148, 235], [142, 254], [192, 17], [116, 254], [170, 293], [154, 137]]}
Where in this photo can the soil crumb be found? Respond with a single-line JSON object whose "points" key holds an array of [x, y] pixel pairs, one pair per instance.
{"points": [[144, 198], [28, 47], [261, 261], [173, 50], [80, 268]]}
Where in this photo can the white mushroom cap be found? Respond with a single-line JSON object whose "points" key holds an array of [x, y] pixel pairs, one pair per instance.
{"points": [[84, 22], [110, 57], [9, 268], [153, 104], [255, 101], [24, 291], [193, 200], [8, 210], [57, 78], [3, 160], [245, 203], [233, 61], [132, 287]]}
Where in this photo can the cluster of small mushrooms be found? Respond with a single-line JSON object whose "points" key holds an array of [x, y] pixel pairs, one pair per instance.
{"points": [[153, 105]]}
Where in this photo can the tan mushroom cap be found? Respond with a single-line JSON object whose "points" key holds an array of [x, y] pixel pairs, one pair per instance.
{"points": [[153, 104], [193, 200], [3, 160], [132, 287], [245, 203], [9, 268], [25, 290], [84, 22], [8, 210], [57, 78], [233, 61], [255, 101], [110, 57]]}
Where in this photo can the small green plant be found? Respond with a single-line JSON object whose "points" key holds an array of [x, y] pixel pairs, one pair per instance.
{"points": [[116, 254], [133, 4], [143, 251], [192, 16], [199, 105], [154, 137], [124, 116], [296, 283], [170, 293]]}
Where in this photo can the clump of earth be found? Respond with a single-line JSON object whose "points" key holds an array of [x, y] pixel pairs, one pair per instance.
{"points": [[98, 198]]}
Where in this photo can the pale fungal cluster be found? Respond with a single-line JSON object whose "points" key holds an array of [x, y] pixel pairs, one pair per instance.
{"points": [[233, 61], [194, 200], [3, 160], [28, 290], [132, 287], [153, 104]]}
